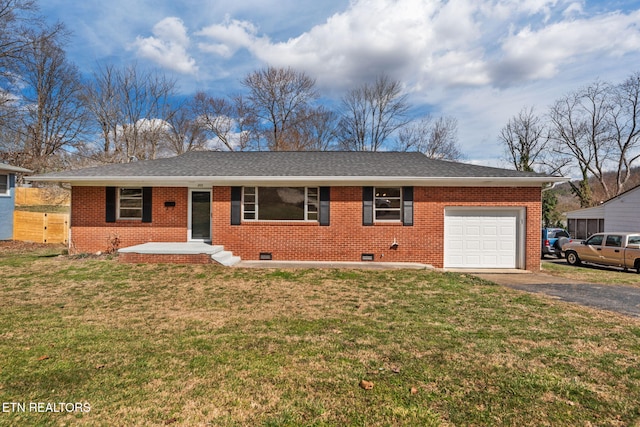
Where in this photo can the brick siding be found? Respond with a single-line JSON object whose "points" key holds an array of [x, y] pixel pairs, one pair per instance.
{"points": [[91, 233], [344, 240]]}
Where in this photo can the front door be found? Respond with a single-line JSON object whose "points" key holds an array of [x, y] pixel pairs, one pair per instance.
{"points": [[200, 215]]}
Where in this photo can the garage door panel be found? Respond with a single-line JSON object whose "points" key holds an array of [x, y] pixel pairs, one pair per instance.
{"points": [[473, 245], [472, 231], [490, 245], [480, 239]]}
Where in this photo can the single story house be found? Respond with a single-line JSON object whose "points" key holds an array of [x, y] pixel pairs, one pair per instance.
{"points": [[619, 213], [322, 206], [7, 198]]}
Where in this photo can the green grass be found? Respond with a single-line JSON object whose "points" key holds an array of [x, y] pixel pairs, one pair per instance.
{"points": [[592, 273], [207, 345]]}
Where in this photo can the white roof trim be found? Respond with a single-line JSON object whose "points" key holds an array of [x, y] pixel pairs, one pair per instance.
{"points": [[8, 168], [223, 181]]}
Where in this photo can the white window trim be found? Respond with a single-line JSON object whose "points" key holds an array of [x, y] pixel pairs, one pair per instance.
{"points": [[8, 180], [257, 206], [375, 208], [306, 204], [118, 204]]}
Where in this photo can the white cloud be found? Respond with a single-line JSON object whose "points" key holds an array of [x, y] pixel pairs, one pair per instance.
{"points": [[541, 54], [168, 46], [480, 61], [229, 37], [433, 43]]}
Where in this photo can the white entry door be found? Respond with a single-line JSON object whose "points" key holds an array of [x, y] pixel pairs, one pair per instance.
{"points": [[481, 238]]}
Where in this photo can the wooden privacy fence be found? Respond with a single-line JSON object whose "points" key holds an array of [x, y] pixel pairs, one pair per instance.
{"points": [[40, 227], [26, 196]]}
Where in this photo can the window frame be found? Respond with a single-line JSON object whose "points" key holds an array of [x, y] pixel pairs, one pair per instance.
{"points": [[399, 209], [7, 182], [613, 241], [594, 237], [633, 240], [310, 199], [119, 207]]}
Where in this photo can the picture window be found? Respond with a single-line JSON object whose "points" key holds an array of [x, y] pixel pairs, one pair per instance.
{"points": [[280, 203]]}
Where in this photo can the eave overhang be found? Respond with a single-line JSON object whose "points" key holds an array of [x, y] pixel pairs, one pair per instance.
{"points": [[333, 181]]}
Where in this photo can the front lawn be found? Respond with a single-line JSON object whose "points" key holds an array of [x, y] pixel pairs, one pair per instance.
{"points": [[591, 273], [207, 345]]}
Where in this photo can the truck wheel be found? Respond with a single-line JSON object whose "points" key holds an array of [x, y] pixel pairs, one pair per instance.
{"points": [[572, 258], [637, 266]]}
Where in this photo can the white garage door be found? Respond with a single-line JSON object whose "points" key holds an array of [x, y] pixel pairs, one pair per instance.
{"points": [[480, 239]]}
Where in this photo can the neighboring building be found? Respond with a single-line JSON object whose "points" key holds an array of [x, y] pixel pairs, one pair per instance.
{"points": [[324, 206], [7, 198], [617, 214]]}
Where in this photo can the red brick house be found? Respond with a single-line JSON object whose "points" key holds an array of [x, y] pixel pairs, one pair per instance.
{"points": [[321, 206]]}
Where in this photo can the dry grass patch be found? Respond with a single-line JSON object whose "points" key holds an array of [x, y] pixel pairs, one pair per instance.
{"points": [[207, 345]]}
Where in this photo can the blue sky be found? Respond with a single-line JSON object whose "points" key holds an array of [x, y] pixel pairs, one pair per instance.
{"points": [[479, 61]]}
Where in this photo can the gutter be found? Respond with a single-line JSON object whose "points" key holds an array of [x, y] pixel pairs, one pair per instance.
{"points": [[224, 181]]}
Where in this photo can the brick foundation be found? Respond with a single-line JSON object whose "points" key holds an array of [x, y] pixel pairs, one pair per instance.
{"points": [[165, 258]]}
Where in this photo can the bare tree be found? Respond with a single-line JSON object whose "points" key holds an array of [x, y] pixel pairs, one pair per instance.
{"points": [[132, 109], [581, 130], [436, 138], [371, 113], [316, 130], [229, 122], [626, 129], [18, 23], [14, 17], [185, 132], [526, 139], [278, 97], [53, 117]]}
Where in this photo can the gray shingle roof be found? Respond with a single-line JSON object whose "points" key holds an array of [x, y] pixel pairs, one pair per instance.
{"points": [[212, 164]]}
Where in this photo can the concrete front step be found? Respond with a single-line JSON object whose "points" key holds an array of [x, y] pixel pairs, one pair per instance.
{"points": [[178, 252], [173, 248], [225, 258]]}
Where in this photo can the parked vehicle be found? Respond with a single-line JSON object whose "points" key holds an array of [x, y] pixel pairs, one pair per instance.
{"points": [[552, 241], [615, 249]]}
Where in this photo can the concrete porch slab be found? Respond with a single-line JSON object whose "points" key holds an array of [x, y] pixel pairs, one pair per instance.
{"points": [[172, 248]]}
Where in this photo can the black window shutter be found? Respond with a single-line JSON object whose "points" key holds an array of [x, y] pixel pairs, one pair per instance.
{"points": [[407, 205], [325, 195], [12, 180], [367, 205], [110, 204], [236, 205], [147, 203]]}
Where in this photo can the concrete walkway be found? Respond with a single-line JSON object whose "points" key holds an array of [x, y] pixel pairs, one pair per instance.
{"points": [[328, 264], [617, 298]]}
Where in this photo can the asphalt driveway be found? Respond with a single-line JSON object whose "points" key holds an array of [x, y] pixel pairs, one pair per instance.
{"points": [[617, 298]]}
